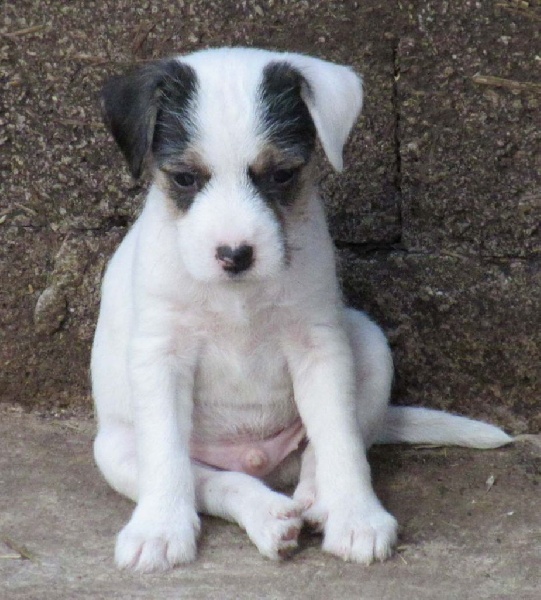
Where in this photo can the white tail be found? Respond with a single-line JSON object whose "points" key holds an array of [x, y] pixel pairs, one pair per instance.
{"points": [[425, 426]]}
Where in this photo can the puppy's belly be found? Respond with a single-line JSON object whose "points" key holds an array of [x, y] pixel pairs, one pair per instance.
{"points": [[242, 394]]}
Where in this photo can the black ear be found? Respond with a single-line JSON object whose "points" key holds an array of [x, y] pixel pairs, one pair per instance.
{"points": [[286, 117], [132, 104]]}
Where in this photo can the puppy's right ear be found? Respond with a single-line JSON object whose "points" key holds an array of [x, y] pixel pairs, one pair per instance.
{"points": [[334, 97], [131, 105]]}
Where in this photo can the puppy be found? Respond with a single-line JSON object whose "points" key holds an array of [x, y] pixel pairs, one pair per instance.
{"points": [[224, 359]]}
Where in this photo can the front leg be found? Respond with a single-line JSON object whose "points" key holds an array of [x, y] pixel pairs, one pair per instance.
{"points": [[164, 526], [356, 526]]}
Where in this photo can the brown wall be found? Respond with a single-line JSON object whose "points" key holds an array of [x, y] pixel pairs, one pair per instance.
{"points": [[437, 217]]}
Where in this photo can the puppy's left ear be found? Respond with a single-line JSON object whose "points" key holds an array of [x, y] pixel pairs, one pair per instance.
{"points": [[334, 98]]}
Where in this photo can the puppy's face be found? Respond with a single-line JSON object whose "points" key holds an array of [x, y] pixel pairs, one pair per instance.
{"points": [[229, 136], [233, 166]]}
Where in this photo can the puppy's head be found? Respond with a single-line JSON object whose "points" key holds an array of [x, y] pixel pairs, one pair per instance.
{"points": [[228, 135]]}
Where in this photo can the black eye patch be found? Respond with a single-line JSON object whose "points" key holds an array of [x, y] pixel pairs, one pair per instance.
{"points": [[277, 185], [183, 183], [283, 177]]}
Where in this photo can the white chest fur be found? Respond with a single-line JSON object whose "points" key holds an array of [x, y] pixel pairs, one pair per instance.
{"points": [[242, 385]]}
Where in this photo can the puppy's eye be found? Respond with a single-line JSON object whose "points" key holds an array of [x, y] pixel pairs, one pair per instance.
{"points": [[186, 180], [283, 176]]}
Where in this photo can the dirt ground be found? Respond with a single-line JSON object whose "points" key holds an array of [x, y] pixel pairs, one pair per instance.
{"points": [[470, 520]]}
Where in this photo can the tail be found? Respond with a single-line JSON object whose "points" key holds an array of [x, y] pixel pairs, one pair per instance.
{"points": [[426, 426]]}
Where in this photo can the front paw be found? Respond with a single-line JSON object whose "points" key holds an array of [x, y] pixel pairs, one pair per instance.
{"points": [[359, 533], [154, 541]]}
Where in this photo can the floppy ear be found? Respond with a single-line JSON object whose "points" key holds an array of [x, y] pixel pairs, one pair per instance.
{"points": [[334, 98], [131, 105]]}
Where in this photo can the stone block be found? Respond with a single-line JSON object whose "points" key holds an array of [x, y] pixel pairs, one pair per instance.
{"points": [[470, 139], [436, 216], [464, 331]]}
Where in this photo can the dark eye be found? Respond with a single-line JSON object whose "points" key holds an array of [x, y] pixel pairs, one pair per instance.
{"points": [[185, 179], [283, 176]]}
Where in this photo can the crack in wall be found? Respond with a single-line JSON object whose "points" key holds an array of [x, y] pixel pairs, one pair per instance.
{"points": [[108, 224], [387, 249], [396, 132]]}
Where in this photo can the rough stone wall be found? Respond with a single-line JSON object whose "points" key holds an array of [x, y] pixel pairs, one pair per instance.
{"points": [[436, 219]]}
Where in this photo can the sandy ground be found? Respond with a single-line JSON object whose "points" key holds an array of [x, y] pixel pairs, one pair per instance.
{"points": [[471, 528]]}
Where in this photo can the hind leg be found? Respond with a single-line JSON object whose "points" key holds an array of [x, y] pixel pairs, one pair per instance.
{"points": [[115, 455], [373, 373], [271, 520]]}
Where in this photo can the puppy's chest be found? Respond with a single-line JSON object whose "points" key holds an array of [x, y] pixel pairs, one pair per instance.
{"points": [[242, 385]]}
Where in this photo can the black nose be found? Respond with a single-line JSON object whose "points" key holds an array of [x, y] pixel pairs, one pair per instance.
{"points": [[235, 260]]}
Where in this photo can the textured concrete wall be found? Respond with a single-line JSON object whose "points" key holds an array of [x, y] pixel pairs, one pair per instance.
{"points": [[436, 219]]}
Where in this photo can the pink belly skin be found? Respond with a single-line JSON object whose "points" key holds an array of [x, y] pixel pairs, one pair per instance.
{"points": [[257, 457]]}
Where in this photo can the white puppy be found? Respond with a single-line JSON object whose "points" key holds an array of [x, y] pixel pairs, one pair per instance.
{"points": [[223, 351]]}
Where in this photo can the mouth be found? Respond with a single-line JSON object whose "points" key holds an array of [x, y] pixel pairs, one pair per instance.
{"points": [[239, 278]]}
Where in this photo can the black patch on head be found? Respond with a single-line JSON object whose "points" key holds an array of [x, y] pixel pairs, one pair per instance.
{"points": [[288, 127], [174, 126], [148, 110], [286, 120]]}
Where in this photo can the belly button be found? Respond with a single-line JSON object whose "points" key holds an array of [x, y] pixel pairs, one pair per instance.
{"points": [[255, 460]]}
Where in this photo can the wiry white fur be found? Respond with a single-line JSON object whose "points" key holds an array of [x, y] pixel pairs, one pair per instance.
{"points": [[228, 213], [180, 350]]}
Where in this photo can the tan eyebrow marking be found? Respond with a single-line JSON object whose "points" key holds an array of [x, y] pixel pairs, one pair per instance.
{"points": [[272, 157], [190, 160]]}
